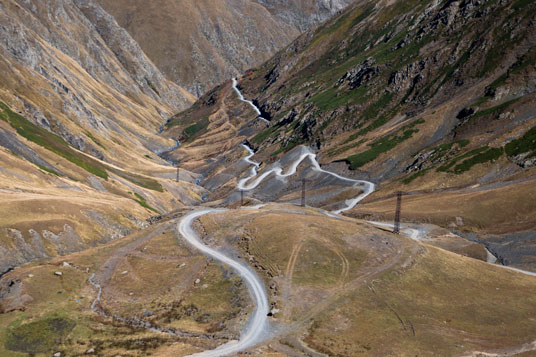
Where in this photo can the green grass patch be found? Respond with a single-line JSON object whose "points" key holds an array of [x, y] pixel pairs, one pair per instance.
{"points": [[383, 145], [526, 143], [489, 155], [382, 120], [529, 59], [51, 142], [443, 148], [494, 110], [520, 4], [494, 56], [40, 336], [332, 98], [196, 128], [451, 163], [60, 147], [438, 152], [463, 143], [337, 151], [144, 203], [263, 135], [374, 109], [138, 180]]}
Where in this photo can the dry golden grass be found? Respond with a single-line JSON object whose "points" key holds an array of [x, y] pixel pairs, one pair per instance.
{"points": [[156, 281], [505, 209], [443, 304], [433, 302], [347, 287]]}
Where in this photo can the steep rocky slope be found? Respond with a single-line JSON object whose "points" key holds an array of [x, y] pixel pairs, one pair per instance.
{"points": [[199, 44], [434, 98], [80, 108]]}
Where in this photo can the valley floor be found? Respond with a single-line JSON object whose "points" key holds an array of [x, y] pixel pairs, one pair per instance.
{"points": [[334, 286]]}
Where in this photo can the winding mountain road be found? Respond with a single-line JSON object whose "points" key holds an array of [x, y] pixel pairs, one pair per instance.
{"points": [[258, 324], [368, 187], [257, 328], [251, 104]]}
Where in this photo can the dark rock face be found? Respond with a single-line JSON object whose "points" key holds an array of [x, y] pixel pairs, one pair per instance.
{"points": [[10, 142], [360, 74], [408, 77], [12, 297], [525, 160], [465, 113]]}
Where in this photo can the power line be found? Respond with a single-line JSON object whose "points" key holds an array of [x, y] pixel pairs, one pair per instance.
{"points": [[398, 211], [303, 199]]}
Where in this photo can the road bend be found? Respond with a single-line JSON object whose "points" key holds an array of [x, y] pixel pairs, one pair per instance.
{"points": [[257, 327]]}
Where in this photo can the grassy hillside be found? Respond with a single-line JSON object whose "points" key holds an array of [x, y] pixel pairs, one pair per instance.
{"points": [[337, 287]]}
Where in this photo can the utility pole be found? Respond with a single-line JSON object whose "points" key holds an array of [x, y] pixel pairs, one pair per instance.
{"points": [[304, 181], [397, 214], [178, 173]]}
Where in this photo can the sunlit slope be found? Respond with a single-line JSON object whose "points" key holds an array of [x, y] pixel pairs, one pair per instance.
{"points": [[57, 199], [201, 43], [80, 108], [346, 288]]}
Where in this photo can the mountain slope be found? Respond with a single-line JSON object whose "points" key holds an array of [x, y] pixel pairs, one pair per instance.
{"points": [[426, 97], [199, 44], [80, 108]]}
